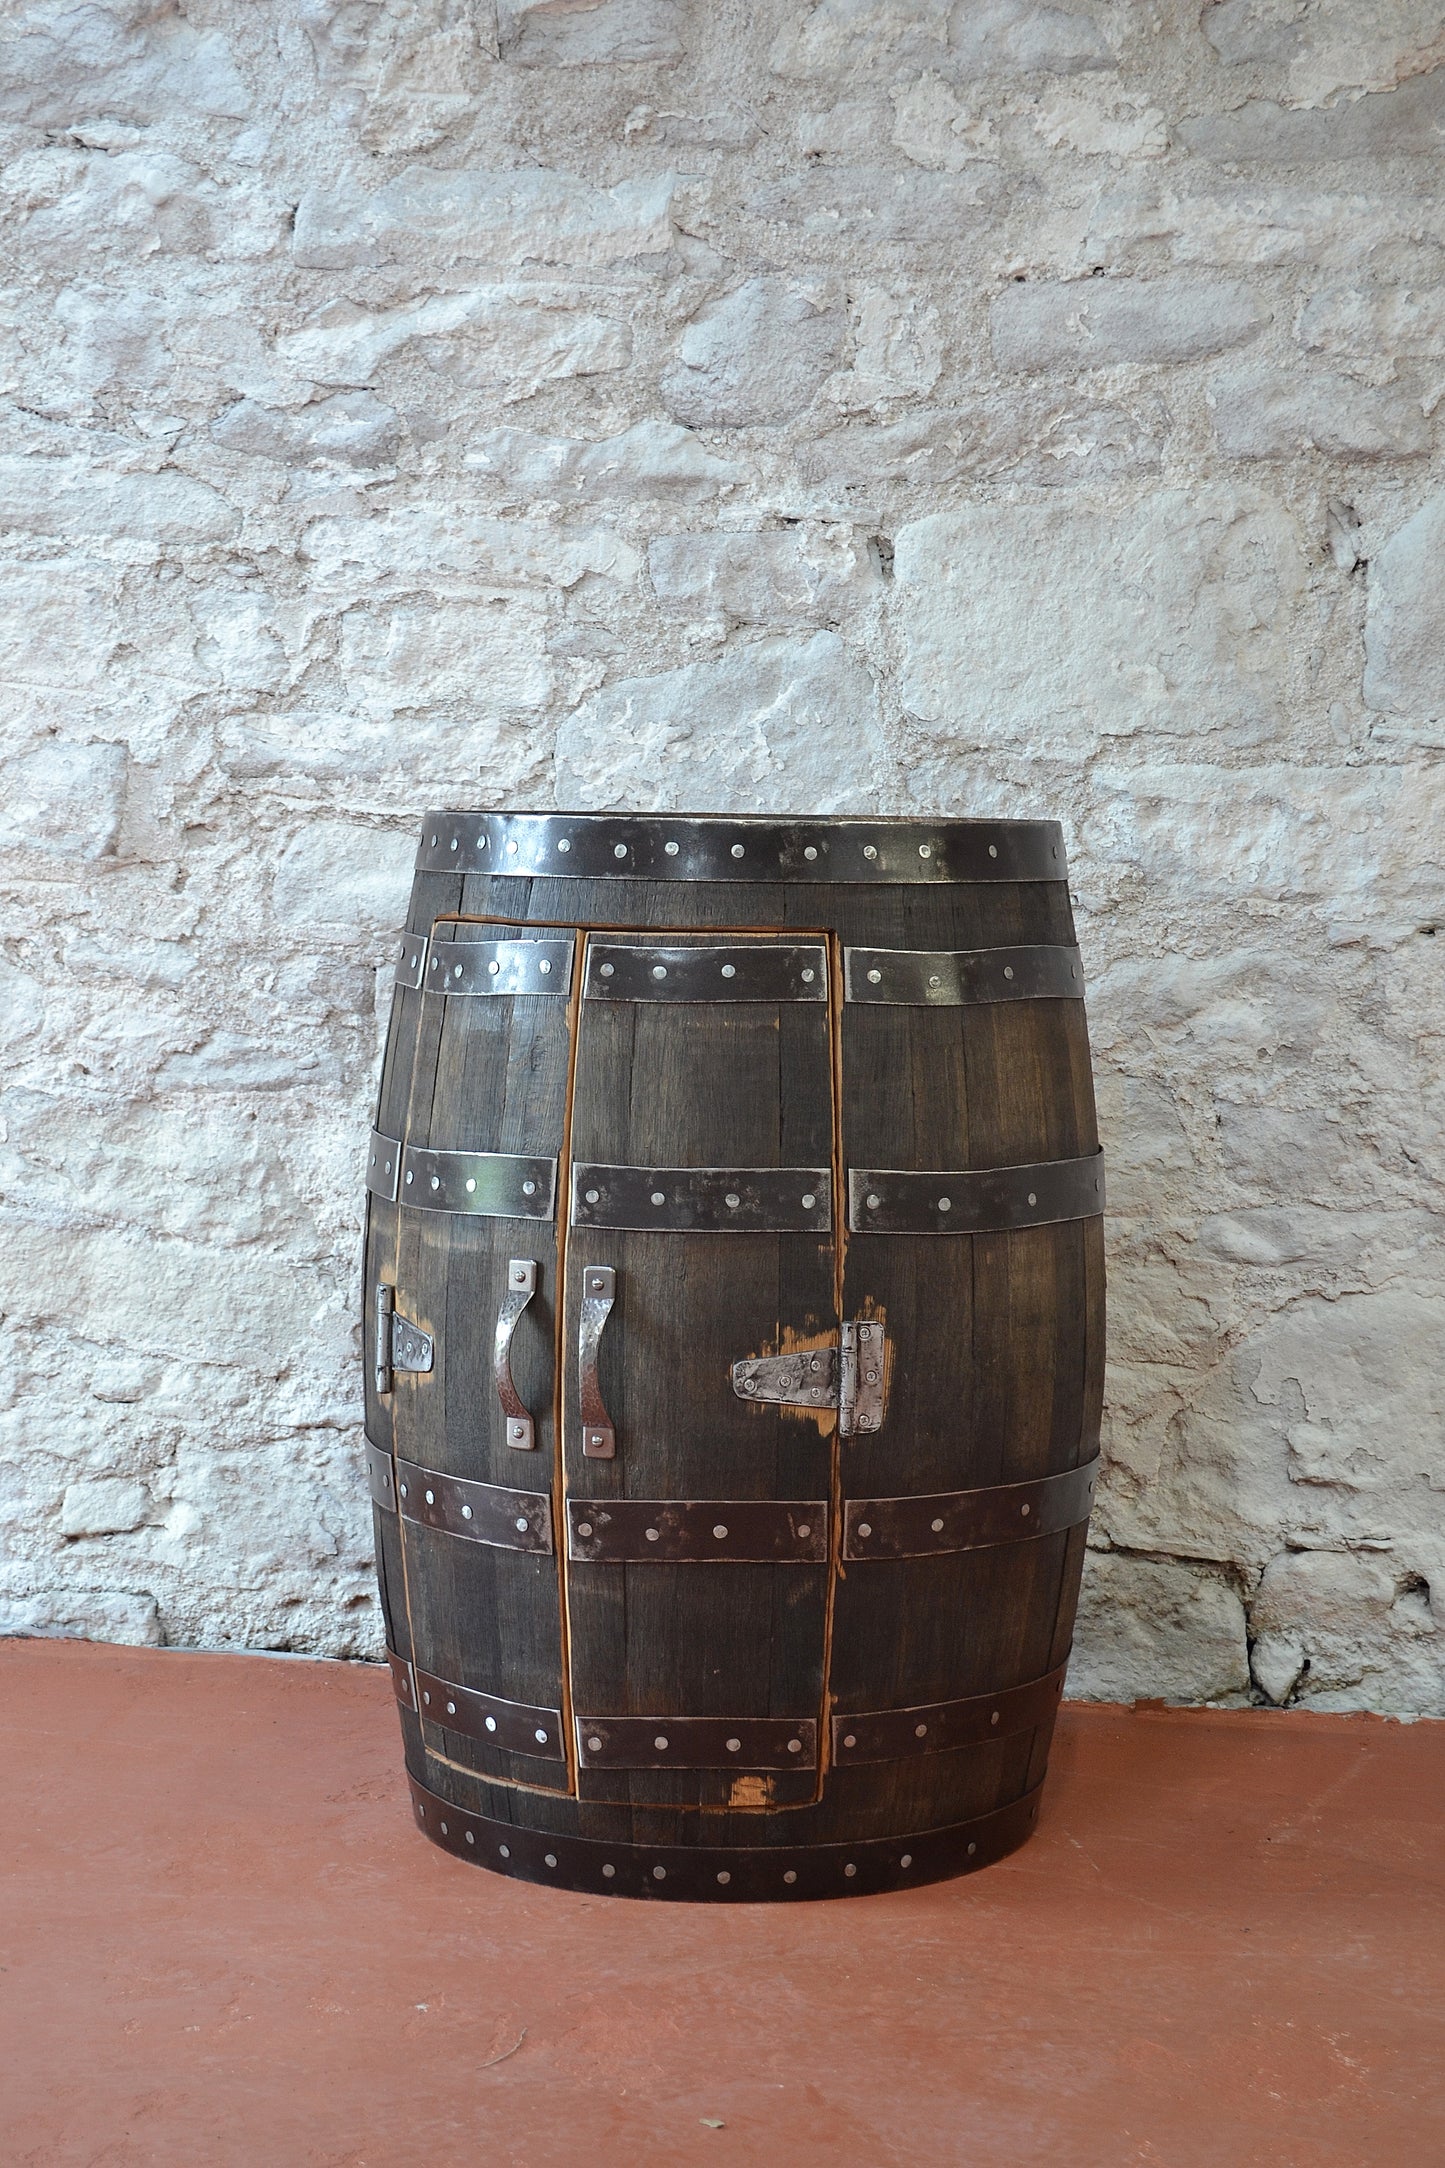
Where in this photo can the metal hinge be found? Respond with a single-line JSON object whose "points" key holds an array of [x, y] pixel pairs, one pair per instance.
{"points": [[848, 1377], [400, 1345]]}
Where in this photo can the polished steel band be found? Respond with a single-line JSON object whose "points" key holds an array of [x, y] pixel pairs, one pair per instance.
{"points": [[696, 1742], [751, 1874], [498, 967], [410, 958], [498, 1185], [736, 971], [381, 1476], [704, 1200], [664, 847], [950, 978], [879, 1735], [971, 1520], [974, 1200], [708, 1531], [383, 1166], [508, 1520], [510, 1724]]}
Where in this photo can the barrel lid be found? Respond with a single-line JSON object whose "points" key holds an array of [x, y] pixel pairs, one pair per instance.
{"points": [[741, 847]]}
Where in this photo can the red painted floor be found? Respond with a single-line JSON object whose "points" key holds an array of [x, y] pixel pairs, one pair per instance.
{"points": [[224, 1945]]}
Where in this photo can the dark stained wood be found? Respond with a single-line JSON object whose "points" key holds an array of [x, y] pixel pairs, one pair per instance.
{"points": [[489, 1075], [995, 1357]]}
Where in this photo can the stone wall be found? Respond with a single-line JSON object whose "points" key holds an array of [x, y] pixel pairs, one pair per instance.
{"points": [[878, 405]]}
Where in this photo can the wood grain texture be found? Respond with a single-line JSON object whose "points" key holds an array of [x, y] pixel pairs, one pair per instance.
{"points": [[995, 1356]]}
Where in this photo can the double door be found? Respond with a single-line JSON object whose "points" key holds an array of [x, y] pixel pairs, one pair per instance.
{"points": [[607, 1359]]}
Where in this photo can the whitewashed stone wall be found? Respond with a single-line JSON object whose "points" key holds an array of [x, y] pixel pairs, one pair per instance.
{"points": [[875, 405]]}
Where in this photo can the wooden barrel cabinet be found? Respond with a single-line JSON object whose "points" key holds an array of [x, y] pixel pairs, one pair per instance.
{"points": [[734, 1345]]}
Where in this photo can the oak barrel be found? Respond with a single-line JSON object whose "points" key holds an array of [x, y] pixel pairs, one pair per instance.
{"points": [[734, 1344]]}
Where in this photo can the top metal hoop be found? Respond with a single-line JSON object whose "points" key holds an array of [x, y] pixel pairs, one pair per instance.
{"points": [[663, 847]]}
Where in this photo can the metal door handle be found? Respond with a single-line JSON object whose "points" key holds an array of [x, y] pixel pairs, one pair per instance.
{"points": [[599, 1292], [521, 1287]]}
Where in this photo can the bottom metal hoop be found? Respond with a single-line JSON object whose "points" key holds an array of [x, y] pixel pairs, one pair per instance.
{"points": [[711, 1874]]}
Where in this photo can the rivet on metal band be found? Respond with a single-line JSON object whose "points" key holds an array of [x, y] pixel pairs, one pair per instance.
{"points": [[974, 1200], [971, 1520], [736, 1874], [949, 978], [666, 847], [498, 1185], [696, 1742], [765, 970], [714, 1531], [499, 967], [512, 1725], [704, 1200], [383, 1166], [938, 1727], [508, 1520]]}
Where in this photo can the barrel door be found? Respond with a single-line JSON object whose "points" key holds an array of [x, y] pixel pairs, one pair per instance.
{"points": [[700, 1266]]}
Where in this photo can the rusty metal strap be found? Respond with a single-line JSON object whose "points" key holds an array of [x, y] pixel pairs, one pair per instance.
{"points": [[508, 1520], [878, 1735], [734, 1874], [665, 847], [950, 978], [696, 1742], [974, 1200], [971, 1520], [704, 1200], [514, 1725], [714, 1531]]}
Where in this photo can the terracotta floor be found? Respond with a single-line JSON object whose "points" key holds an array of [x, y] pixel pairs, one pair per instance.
{"points": [[223, 1942]]}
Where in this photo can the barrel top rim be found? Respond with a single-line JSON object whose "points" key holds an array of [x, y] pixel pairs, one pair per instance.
{"points": [[824, 821], [847, 849]]}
